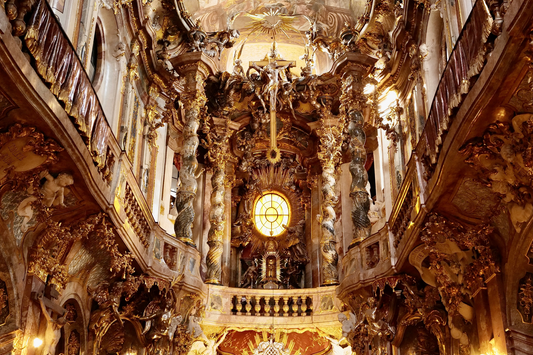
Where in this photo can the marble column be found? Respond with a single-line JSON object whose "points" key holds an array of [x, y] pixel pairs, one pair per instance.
{"points": [[360, 199], [217, 144], [217, 220], [353, 101], [226, 238], [194, 69], [330, 134]]}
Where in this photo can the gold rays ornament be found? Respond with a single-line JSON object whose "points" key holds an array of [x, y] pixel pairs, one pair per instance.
{"points": [[272, 23]]}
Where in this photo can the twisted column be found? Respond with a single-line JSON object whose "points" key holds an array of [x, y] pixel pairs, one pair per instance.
{"points": [[352, 101], [217, 145], [193, 100], [361, 201], [216, 231], [329, 155]]}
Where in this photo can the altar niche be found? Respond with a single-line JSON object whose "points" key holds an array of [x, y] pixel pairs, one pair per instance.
{"points": [[275, 254]]}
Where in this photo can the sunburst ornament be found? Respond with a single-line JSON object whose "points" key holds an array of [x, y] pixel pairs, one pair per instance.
{"points": [[271, 22]]}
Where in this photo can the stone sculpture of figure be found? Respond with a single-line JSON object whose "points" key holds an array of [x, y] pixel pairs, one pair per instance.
{"points": [[52, 191], [288, 95], [222, 39], [293, 273], [296, 244], [236, 78], [271, 268], [193, 319], [374, 213], [257, 85], [53, 329], [271, 73], [250, 276], [348, 324], [337, 348], [163, 56], [196, 37]]}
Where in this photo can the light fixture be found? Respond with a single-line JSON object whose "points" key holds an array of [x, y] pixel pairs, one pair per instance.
{"points": [[37, 342]]}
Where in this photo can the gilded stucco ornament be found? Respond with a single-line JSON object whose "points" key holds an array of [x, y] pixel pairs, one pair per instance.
{"points": [[503, 158], [73, 345], [422, 307], [367, 327], [4, 303], [170, 323], [525, 298], [50, 249], [25, 149], [461, 263]]}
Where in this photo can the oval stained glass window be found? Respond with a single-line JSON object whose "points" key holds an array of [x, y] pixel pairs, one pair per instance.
{"points": [[271, 212]]}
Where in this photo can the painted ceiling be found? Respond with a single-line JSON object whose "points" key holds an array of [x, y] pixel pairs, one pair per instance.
{"points": [[329, 17]]}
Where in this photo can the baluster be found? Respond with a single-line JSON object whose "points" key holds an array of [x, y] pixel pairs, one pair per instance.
{"points": [[285, 306], [303, 307], [248, 306], [294, 306], [276, 306], [267, 306], [310, 307], [257, 306], [239, 305]]}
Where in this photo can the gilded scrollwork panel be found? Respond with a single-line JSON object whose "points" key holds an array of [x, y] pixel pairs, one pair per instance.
{"points": [[525, 298], [4, 303]]}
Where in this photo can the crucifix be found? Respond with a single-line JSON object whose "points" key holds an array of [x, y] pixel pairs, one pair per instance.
{"points": [[273, 68]]}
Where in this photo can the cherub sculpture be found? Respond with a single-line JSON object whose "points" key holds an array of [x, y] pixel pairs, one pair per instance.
{"points": [[52, 192], [53, 189], [348, 324]]}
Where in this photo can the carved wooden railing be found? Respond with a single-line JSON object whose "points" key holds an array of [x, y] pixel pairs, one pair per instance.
{"points": [[407, 204], [136, 217], [466, 61], [257, 307], [57, 63], [402, 216]]}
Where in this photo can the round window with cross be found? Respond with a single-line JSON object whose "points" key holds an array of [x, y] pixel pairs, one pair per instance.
{"points": [[271, 213]]}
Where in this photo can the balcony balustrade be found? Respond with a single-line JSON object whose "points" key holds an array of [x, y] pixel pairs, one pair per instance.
{"points": [[465, 63], [292, 308]]}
